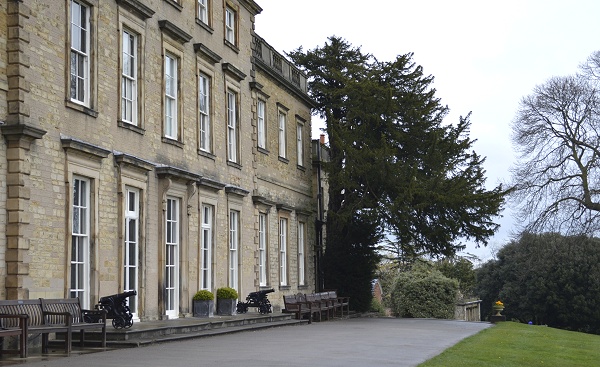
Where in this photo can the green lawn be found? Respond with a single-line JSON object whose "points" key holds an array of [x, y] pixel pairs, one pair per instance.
{"points": [[514, 344]]}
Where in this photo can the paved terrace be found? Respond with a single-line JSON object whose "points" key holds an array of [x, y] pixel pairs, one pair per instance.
{"points": [[347, 342]]}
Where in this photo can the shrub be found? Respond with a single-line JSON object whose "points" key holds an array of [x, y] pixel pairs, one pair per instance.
{"points": [[376, 306], [547, 279], [203, 295], [227, 293], [423, 293]]}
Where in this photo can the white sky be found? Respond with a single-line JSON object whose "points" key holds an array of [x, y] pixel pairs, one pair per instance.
{"points": [[485, 55]]}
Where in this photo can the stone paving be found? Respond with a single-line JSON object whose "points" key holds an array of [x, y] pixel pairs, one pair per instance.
{"points": [[348, 342]]}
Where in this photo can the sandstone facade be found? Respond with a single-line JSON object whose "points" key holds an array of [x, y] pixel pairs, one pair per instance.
{"points": [[131, 155]]}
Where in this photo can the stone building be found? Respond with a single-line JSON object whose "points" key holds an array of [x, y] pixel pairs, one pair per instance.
{"points": [[155, 145]]}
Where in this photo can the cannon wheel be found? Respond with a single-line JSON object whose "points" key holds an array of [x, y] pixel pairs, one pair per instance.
{"points": [[265, 307], [119, 322], [242, 307]]}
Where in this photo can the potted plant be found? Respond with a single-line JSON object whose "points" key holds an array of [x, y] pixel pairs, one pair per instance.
{"points": [[203, 304], [498, 307], [226, 301]]}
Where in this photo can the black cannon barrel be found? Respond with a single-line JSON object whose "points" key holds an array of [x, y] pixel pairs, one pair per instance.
{"points": [[117, 297]]}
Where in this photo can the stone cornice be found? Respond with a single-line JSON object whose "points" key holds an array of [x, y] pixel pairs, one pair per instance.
{"points": [[207, 53], [174, 31], [137, 8]]}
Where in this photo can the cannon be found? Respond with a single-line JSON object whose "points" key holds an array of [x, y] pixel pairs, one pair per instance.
{"points": [[116, 309], [256, 299]]}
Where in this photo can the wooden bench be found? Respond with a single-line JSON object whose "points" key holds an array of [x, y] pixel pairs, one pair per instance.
{"points": [[46, 316], [340, 302], [297, 305], [70, 308], [19, 330]]}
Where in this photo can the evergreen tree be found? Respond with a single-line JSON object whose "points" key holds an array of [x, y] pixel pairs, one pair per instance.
{"points": [[394, 167]]}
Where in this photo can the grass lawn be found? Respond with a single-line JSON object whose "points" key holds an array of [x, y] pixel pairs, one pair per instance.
{"points": [[515, 344]]}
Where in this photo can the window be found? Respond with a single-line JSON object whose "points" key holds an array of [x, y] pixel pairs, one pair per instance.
{"points": [[132, 225], [206, 250], [172, 258], [262, 249], [232, 131], [283, 251], [129, 78], [282, 145], [301, 257], [299, 147], [171, 82], [80, 56], [262, 130], [203, 11], [204, 108], [234, 221], [80, 241], [230, 25]]}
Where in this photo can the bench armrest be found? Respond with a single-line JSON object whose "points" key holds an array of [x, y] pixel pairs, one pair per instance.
{"points": [[23, 319]]}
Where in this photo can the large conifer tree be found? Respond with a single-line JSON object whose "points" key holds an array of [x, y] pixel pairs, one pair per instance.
{"points": [[394, 168]]}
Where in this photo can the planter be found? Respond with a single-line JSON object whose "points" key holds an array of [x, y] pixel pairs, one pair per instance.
{"points": [[203, 308], [497, 309], [226, 307]]}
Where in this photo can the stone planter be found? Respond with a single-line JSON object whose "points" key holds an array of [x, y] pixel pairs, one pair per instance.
{"points": [[203, 308], [226, 307]]}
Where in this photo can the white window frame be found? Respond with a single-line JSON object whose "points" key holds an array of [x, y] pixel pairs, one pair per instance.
{"points": [[81, 210], [301, 253], [234, 225], [129, 77], [283, 238], [172, 245], [282, 135], [206, 247], [262, 249], [171, 96], [204, 122], [299, 144], [203, 11], [261, 107], [80, 69], [232, 126], [230, 16], [131, 246]]}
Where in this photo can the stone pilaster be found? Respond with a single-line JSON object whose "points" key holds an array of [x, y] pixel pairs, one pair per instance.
{"points": [[19, 134], [18, 142]]}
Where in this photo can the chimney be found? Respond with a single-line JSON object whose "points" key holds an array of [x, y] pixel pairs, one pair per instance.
{"points": [[322, 139]]}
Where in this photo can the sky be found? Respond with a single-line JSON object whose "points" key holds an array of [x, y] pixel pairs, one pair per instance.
{"points": [[485, 57]]}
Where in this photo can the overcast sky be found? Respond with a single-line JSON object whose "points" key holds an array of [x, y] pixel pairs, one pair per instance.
{"points": [[485, 55]]}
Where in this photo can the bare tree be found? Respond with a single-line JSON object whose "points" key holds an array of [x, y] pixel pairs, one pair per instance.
{"points": [[556, 181]]}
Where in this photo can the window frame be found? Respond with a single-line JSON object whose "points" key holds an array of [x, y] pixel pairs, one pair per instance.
{"points": [[171, 128], [301, 253], [300, 144], [230, 25], [233, 255], [206, 249], [232, 133], [86, 55], [204, 117], [172, 226], [129, 263], [263, 236], [283, 249], [80, 260], [282, 134], [203, 5], [133, 79], [261, 123]]}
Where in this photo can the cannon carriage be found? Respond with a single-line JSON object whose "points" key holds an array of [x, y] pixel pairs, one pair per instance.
{"points": [[256, 299], [116, 309]]}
